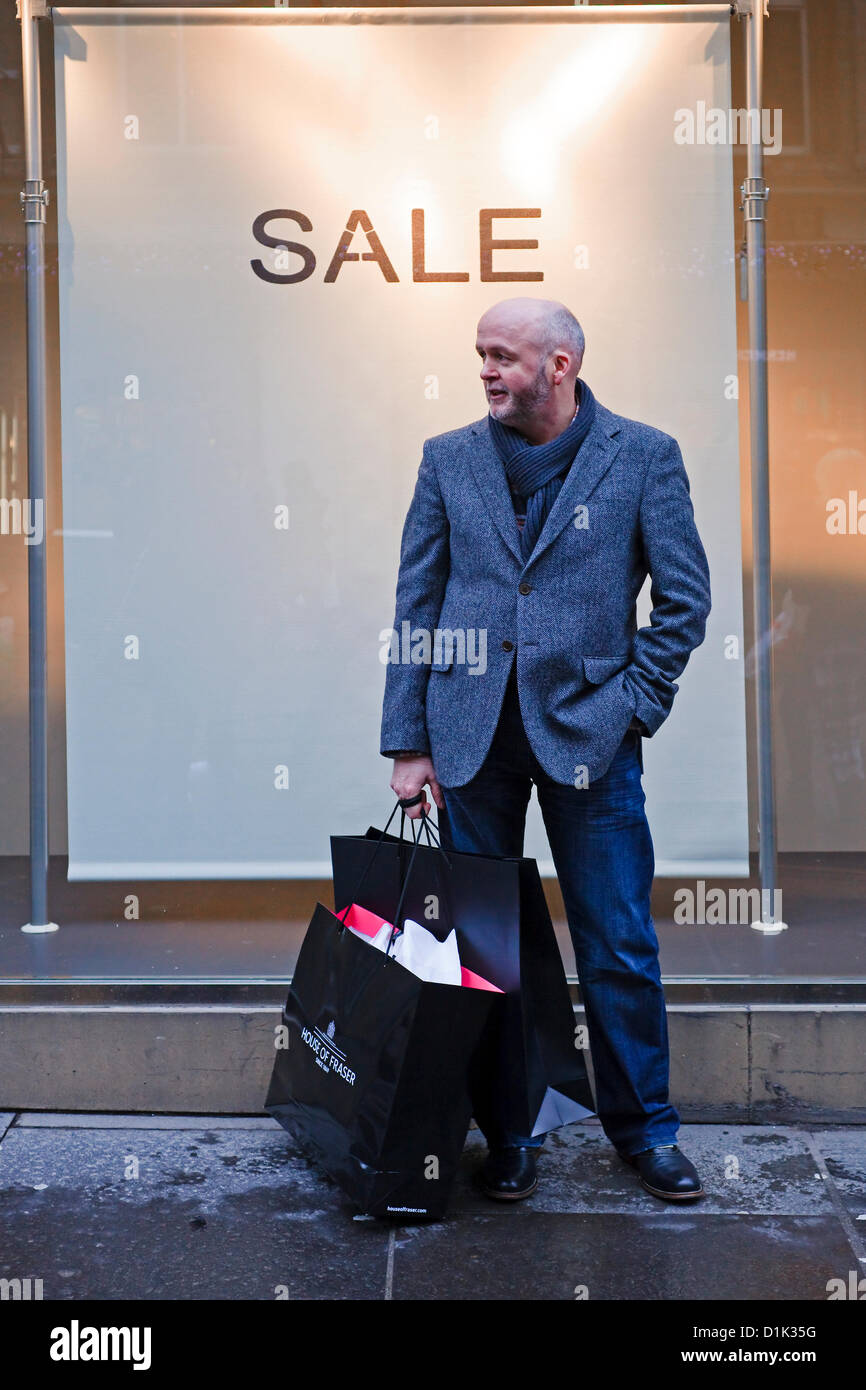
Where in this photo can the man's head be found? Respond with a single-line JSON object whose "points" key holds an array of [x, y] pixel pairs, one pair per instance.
{"points": [[531, 351]]}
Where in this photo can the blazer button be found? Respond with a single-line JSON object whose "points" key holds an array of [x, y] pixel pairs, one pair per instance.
{"points": [[524, 588], [507, 646]]}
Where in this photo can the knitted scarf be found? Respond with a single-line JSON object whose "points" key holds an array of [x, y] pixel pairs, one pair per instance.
{"points": [[537, 471]]}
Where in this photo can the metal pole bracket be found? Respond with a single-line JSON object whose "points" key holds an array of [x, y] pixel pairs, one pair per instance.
{"points": [[743, 8], [39, 9], [754, 190], [34, 200]]}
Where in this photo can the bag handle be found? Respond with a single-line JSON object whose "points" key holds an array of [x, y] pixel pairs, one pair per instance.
{"points": [[368, 865], [426, 828], [401, 804], [427, 825], [416, 840]]}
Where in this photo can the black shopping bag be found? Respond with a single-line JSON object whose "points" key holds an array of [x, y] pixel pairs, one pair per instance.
{"points": [[528, 1076], [374, 1079]]}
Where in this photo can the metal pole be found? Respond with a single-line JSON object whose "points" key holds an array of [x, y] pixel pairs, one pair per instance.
{"points": [[34, 199], [755, 192], [414, 15]]}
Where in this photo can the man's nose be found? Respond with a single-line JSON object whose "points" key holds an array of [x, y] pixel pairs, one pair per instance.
{"points": [[487, 371]]}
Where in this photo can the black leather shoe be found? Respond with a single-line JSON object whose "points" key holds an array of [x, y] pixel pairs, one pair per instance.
{"points": [[508, 1175], [666, 1172]]}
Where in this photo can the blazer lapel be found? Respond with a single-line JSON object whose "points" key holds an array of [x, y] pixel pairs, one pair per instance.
{"points": [[596, 455], [493, 486]]}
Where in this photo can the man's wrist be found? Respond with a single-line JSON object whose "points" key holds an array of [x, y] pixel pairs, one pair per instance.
{"points": [[405, 753]]}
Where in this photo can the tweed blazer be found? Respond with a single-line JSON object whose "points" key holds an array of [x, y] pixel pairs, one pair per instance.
{"points": [[566, 616]]}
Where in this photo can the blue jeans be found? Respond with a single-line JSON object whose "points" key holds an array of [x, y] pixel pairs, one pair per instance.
{"points": [[603, 853]]}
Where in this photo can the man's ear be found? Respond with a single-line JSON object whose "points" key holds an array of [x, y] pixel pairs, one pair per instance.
{"points": [[561, 364]]}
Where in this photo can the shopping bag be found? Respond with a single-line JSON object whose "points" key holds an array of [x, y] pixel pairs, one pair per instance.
{"points": [[529, 1074], [373, 1074]]}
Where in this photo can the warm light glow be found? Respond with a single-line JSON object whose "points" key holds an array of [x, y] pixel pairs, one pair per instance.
{"points": [[566, 97]]}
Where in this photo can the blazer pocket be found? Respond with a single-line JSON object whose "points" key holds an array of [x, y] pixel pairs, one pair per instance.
{"points": [[598, 669]]}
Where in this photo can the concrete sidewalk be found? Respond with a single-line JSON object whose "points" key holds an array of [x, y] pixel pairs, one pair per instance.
{"points": [[168, 1207]]}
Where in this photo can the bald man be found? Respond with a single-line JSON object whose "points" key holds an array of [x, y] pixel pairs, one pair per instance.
{"points": [[530, 534]]}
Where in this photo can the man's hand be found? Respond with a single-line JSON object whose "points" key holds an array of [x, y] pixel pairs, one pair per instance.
{"points": [[410, 774]]}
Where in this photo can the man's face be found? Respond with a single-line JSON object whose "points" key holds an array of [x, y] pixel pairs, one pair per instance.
{"points": [[513, 373]]}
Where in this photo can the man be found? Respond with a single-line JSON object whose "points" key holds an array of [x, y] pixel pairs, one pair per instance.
{"points": [[537, 526]]}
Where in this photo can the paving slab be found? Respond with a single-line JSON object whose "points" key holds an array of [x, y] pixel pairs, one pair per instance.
{"points": [[844, 1152], [148, 1214], [617, 1257]]}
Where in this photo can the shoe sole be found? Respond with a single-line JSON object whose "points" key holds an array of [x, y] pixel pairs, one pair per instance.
{"points": [[508, 1196], [672, 1196]]}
